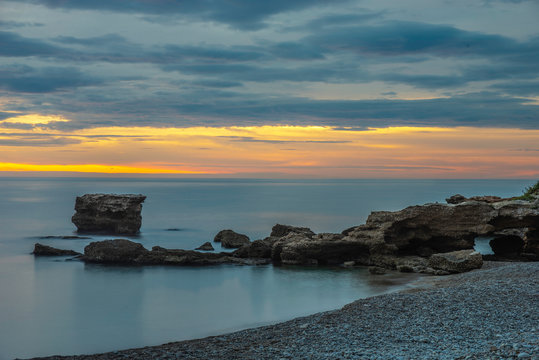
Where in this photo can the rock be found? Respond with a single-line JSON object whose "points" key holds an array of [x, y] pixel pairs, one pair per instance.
{"points": [[260, 249], [207, 246], [456, 261], [431, 228], [116, 251], [126, 252], [108, 213], [322, 249], [377, 270], [279, 231], [456, 199], [231, 239], [44, 250]]}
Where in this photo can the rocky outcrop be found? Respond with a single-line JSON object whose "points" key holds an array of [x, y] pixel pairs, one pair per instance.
{"points": [[456, 261], [458, 198], [231, 239], [45, 250], [279, 230], [126, 252], [405, 240], [114, 251], [207, 246], [257, 249], [108, 213]]}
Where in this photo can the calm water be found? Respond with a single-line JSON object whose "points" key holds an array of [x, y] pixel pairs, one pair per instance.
{"points": [[53, 306]]}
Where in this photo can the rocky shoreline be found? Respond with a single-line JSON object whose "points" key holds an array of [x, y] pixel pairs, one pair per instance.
{"points": [[433, 238], [489, 313]]}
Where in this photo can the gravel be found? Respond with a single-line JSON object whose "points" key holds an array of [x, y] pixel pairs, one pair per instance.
{"points": [[491, 313]]}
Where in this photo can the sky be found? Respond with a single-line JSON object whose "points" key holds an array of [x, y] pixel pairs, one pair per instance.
{"points": [[270, 89]]}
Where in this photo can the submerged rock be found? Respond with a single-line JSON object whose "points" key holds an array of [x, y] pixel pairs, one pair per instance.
{"points": [[456, 261], [207, 246], [45, 250], [231, 239], [108, 213]]}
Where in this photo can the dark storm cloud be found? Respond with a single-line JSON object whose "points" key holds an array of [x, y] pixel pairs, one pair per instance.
{"points": [[242, 14], [26, 79]]}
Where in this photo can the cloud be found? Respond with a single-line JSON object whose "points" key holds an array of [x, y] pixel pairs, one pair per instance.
{"points": [[397, 38], [241, 14], [217, 83], [521, 88], [339, 20], [16, 45], [26, 79], [18, 24], [270, 141]]}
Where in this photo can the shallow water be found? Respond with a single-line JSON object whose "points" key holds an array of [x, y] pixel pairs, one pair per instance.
{"points": [[53, 306]]}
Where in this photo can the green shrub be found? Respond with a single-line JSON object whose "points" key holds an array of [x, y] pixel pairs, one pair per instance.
{"points": [[529, 192]]}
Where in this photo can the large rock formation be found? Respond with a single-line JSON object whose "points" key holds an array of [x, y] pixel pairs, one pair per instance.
{"points": [[231, 239], [426, 238], [108, 213]]}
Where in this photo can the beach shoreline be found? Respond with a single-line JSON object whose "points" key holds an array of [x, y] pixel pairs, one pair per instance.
{"points": [[486, 313]]}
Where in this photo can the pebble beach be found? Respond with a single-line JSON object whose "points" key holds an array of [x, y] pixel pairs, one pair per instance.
{"points": [[490, 313]]}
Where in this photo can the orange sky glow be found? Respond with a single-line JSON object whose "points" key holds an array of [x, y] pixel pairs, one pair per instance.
{"points": [[29, 145]]}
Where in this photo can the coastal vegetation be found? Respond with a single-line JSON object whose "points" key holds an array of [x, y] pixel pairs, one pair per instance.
{"points": [[530, 193]]}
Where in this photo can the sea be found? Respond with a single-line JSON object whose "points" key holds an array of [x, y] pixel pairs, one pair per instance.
{"points": [[57, 305]]}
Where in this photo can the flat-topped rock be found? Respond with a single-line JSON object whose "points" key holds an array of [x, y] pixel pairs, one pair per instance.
{"points": [[126, 252], [456, 261], [108, 213]]}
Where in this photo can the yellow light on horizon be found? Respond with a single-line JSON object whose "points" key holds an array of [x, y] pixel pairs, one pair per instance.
{"points": [[34, 119]]}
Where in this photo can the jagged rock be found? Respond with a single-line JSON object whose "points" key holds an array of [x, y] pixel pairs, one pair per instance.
{"points": [[320, 249], [114, 251], [231, 239], [207, 246], [45, 250], [456, 261], [431, 228], [108, 213], [279, 230], [260, 249]]}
